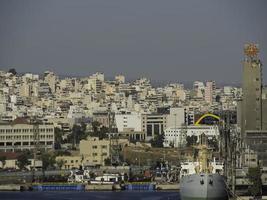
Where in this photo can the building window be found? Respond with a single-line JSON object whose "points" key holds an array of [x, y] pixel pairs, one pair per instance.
{"points": [[156, 129], [94, 147], [149, 130]]}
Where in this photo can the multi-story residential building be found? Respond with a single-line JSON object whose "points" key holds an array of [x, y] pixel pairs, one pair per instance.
{"points": [[120, 79], [128, 121], [250, 158], [96, 82], [209, 91], [51, 79], [44, 89], [2, 102], [103, 118], [257, 141], [94, 151], [70, 162], [21, 135], [176, 117], [189, 115], [199, 88]]}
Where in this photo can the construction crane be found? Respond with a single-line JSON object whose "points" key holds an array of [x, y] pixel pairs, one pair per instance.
{"points": [[114, 144], [36, 143]]}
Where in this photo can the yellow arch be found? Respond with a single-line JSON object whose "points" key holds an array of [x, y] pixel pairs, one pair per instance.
{"points": [[206, 115]]}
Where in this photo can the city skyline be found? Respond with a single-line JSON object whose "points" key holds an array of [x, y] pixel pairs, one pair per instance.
{"points": [[165, 42], [137, 95]]}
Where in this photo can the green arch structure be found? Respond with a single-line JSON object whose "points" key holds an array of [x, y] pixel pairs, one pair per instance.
{"points": [[206, 115]]}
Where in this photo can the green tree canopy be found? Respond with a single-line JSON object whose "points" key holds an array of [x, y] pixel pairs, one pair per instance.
{"points": [[158, 141], [60, 163], [213, 143], [107, 161], [12, 71], [78, 133], [48, 160], [58, 138], [23, 160], [99, 131], [191, 140]]}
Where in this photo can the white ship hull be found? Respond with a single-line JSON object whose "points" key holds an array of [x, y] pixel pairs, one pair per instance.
{"points": [[203, 187]]}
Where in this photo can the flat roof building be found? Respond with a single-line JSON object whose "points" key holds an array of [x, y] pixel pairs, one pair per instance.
{"points": [[20, 135]]}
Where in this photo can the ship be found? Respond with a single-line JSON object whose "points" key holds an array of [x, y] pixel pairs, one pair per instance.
{"points": [[203, 179]]}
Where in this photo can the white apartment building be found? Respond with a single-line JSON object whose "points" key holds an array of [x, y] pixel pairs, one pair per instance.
{"points": [[120, 78], [209, 91], [176, 117], [2, 103], [51, 79], [176, 137], [18, 136], [129, 121], [199, 88]]}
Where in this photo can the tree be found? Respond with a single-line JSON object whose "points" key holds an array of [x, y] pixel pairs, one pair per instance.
{"points": [[12, 71], [62, 153], [58, 138], [191, 140], [99, 131], [158, 141], [218, 98], [48, 160], [60, 163], [23, 160], [107, 161], [96, 126], [78, 133], [213, 143], [254, 175], [3, 161]]}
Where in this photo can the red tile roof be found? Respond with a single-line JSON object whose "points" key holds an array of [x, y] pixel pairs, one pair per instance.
{"points": [[20, 120], [9, 155]]}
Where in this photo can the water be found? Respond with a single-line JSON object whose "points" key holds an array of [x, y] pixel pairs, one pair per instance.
{"points": [[125, 195]]}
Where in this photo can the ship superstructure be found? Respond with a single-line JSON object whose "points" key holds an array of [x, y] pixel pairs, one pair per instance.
{"points": [[202, 179]]}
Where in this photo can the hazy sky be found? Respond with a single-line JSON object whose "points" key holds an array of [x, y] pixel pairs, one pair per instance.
{"points": [[171, 40]]}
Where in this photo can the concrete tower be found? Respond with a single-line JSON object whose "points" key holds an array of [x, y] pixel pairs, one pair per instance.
{"points": [[252, 90]]}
